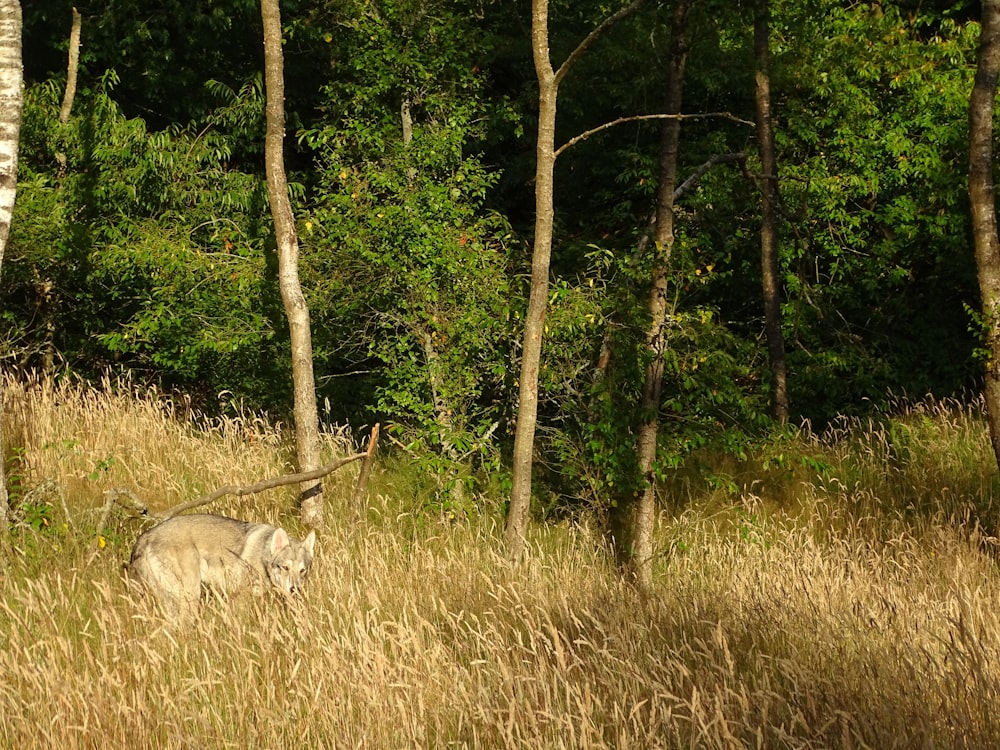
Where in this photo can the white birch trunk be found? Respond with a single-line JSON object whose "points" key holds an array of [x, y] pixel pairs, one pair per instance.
{"points": [[11, 78]]}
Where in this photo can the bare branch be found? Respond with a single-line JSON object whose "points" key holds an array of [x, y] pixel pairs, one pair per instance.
{"points": [[639, 118], [691, 181], [593, 36], [266, 484], [366, 467]]}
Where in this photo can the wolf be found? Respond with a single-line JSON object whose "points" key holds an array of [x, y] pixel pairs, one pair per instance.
{"points": [[179, 557]]}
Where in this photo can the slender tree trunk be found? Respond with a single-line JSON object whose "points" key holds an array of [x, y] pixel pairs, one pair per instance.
{"points": [[306, 416], [45, 288], [534, 324], [633, 519], [769, 215], [11, 98], [72, 66], [406, 119], [983, 204]]}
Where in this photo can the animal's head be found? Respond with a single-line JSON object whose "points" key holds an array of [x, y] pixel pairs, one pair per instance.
{"points": [[289, 561]]}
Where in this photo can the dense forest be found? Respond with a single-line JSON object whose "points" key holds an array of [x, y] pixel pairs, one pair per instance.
{"points": [[142, 242]]}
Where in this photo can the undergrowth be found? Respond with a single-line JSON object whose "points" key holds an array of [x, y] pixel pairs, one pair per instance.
{"points": [[837, 591]]}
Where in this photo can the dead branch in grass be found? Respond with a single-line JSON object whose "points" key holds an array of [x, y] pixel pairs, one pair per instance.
{"points": [[133, 503], [253, 489]]}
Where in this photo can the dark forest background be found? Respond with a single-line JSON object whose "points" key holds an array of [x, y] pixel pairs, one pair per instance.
{"points": [[142, 241]]}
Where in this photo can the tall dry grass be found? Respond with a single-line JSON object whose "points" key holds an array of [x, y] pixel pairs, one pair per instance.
{"points": [[769, 625]]}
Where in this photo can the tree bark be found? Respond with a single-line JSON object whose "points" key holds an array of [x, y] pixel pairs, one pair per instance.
{"points": [[633, 518], [983, 205], [11, 99], [406, 119], [296, 309], [769, 215], [534, 325], [72, 66]]}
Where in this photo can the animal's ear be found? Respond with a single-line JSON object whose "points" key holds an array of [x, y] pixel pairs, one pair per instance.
{"points": [[310, 541], [279, 540]]}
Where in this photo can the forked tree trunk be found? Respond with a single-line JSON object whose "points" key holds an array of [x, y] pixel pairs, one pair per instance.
{"points": [[306, 416], [983, 205], [534, 325], [11, 98], [633, 519], [769, 215]]}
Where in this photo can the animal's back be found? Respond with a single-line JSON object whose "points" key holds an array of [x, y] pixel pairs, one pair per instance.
{"points": [[176, 558], [173, 559]]}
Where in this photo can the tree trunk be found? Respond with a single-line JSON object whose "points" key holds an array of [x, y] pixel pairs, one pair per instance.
{"points": [[406, 118], [534, 324], [71, 67], [769, 217], [634, 517], [306, 417], [11, 98], [983, 205]]}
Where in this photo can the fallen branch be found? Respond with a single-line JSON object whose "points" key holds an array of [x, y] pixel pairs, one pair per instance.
{"points": [[134, 504], [123, 497], [253, 489]]}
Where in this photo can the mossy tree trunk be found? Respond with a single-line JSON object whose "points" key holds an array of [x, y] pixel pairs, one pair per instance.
{"points": [[982, 200], [633, 518], [769, 214]]}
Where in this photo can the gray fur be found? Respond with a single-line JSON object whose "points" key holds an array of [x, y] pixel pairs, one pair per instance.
{"points": [[176, 559]]}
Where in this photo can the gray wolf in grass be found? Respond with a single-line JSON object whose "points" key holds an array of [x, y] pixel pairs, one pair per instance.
{"points": [[179, 557]]}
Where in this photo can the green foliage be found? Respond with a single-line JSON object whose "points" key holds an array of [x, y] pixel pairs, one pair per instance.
{"points": [[142, 239], [386, 51], [870, 104], [142, 248], [409, 273], [873, 155], [711, 398], [403, 248], [163, 52]]}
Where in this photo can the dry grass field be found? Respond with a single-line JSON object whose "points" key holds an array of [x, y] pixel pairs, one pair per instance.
{"points": [[844, 593]]}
